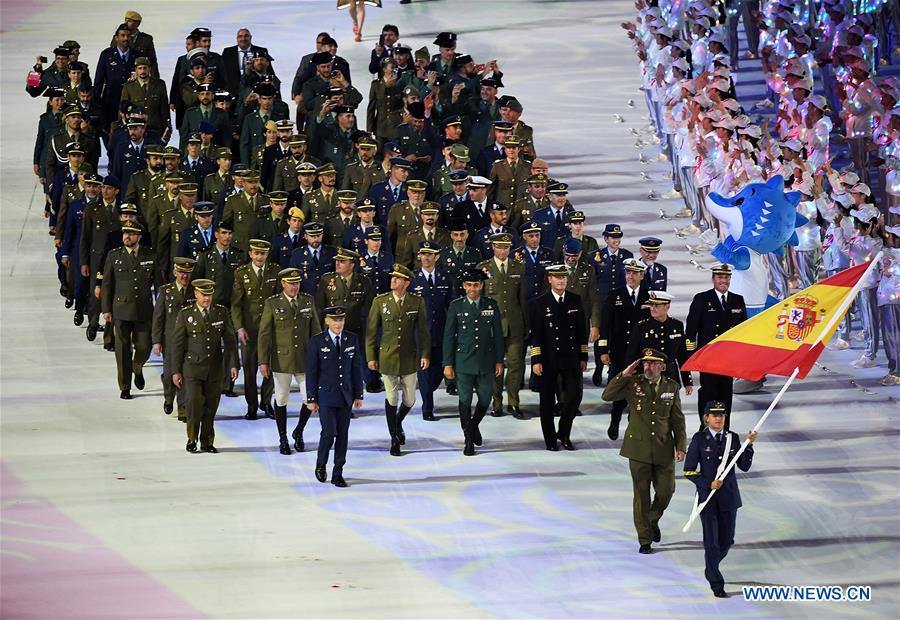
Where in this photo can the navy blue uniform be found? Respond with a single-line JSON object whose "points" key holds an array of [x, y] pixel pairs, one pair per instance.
{"points": [[196, 170], [128, 160], [193, 243], [113, 70], [550, 231], [535, 264], [610, 270], [701, 462], [447, 204], [70, 247], [354, 238], [486, 158], [481, 240], [384, 198], [377, 269], [312, 268], [283, 246], [437, 296], [334, 379], [657, 277], [475, 219]]}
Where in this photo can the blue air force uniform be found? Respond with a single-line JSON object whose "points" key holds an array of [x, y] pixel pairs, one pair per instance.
{"points": [[438, 293], [657, 277], [334, 379], [313, 267], [550, 231], [195, 241], [535, 264], [283, 246], [703, 458], [384, 198]]}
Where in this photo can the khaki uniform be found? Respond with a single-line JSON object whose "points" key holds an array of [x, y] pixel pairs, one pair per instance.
{"points": [[403, 220], [154, 99], [409, 254], [509, 292], [172, 224], [655, 432], [248, 298], [583, 283], [285, 177], [100, 221], [404, 341], [508, 181], [241, 211], [360, 178], [143, 186], [356, 297], [169, 303], [284, 334], [214, 184], [70, 193], [317, 207], [157, 206], [523, 209]]}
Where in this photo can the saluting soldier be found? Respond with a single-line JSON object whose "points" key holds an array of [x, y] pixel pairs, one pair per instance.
{"points": [[712, 313], [241, 208], [321, 204], [403, 348], [510, 174], [505, 284], [364, 172], [433, 286], [334, 384], [458, 257], [344, 220], [429, 231], [710, 452], [655, 275], [473, 353], [655, 430], [173, 224], [663, 333], [289, 321], [204, 346], [559, 342], [253, 284], [127, 302], [535, 199], [100, 220], [623, 309], [313, 258], [171, 299]]}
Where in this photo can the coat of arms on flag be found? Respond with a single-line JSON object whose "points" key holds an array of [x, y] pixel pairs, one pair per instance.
{"points": [[797, 321]]}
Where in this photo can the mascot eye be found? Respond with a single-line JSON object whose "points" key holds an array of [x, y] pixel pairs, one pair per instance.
{"points": [[738, 202]]}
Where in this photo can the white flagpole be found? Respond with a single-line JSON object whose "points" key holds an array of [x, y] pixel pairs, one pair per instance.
{"points": [[834, 319]]}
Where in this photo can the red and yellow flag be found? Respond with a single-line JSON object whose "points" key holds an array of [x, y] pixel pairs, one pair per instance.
{"points": [[786, 336]]}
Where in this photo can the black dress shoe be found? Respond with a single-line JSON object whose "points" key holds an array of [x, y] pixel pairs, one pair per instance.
{"points": [[191, 446], [476, 436], [567, 444], [63, 290], [597, 377], [657, 535], [125, 395], [339, 481], [78, 319], [469, 449], [90, 333], [109, 347], [428, 417], [451, 390], [553, 447], [395, 447], [720, 593], [70, 301], [645, 549], [270, 412], [211, 449], [251, 414], [139, 382], [229, 393], [613, 431], [168, 408], [517, 413], [298, 440], [321, 474], [497, 413], [283, 446]]}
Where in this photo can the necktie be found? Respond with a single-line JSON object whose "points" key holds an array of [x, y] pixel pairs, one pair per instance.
{"points": [[193, 164], [295, 241], [430, 236], [205, 115], [719, 439], [558, 220], [400, 304], [337, 343], [503, 269], [480, 211], [203, 313], [224, 257], [396, 194], [533, 256], [244, 61], [633, 298], [430, 282], [294, 306], [375, 261], [206, 237], [724, 303], [265, 119], [315, 259]]}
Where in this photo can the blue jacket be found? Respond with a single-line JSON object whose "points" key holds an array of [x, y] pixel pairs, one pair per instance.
{"points": [[534, 270], [610, 272], [380, 277], [302, 259], [657, 277], [72, 237], [283, 247], [437, 300], [334, 378], [546, 219], [192, 244], [702, 461], [383, 198]]}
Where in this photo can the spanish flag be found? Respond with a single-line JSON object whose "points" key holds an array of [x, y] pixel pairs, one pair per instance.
{"points": [[789, 335]]}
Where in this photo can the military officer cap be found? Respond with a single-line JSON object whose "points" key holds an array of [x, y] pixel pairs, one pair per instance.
{"points": [[508, 101], [502, 240], [513, 142], [374, 233], [613, 230], [171, 151], [659, 298], [392, 147], [652, 355], [366, 141], [365, 205], [458, 176], [458, 224], [278, 196], [429, 247], [187, 188], [335, 312], [403, 48], [430, 207], [174, 177], [313, 228], [572, 246], [306, 167], [298, 139], [650, 244], [204, 285], [131, 227], [460, 152], [344, 109], [204, 208], [258, 53], [238, 169], [225, 225], [530, 227], [536, 179], [206, 127], [195, 138], [154, 149], [445, 39], [473, 275], [345, 195], [184, 264], [494, 82], [715, 407], [401, 271], [133, 16], [558, 188], [264, 89], [450, 121], [461, 60], [497, 206], [75, 66], [127, 208], [721, 269], [416, 110], [201, 32], [135, 121], [633, 264], [251, 175], [198, 61], [479, 181], [72, 110], [284, 124], [62, 51], [74, 148], [345, 254], [52, 92], [85, 167], [400, 162], [296, 212], [326, 169], [142, 61], [321, 58], [410, 90], [260, 245], [576, 217], [290, 274], [111, 180], [223, 151], [93, 179], [557, 270], [224, 95], [501, 125], [416, 185]]}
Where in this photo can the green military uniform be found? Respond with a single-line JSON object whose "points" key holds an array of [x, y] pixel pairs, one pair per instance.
{"points": [[212, 265], [523, 209], [172, 224], [412, 142], [403, 220], [48, 125], [440, 182], [268, 225], [154, 98], [318, 207], [355, 295], [360, 178], [214, 184], [57, 149], [473, 346], [204, 346], [583, 283], [454, 263], [508, 181], [655, 431], [285, 178], [508, 290], [169, 303], [157, 206], [100, 221], [145, 184], [397, 353], [71, 192], [409, 254], [128, 279], [241, 211], [385, 110]]}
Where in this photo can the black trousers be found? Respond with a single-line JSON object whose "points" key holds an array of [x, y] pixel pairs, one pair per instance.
{"points": [[430, 379], [715, 387], [570, 383], [718, 536], [132, 349], [250, 362], [335, 423]]}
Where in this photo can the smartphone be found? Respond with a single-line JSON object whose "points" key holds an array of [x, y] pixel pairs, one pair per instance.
{"points": [[380, 41], [42, 59]]}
